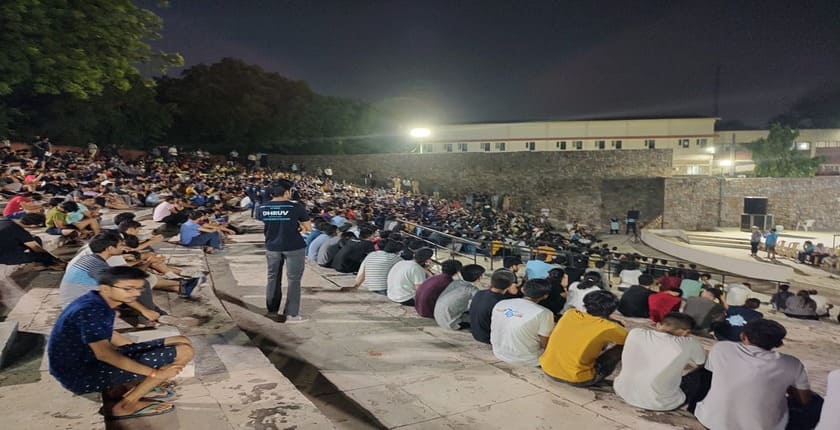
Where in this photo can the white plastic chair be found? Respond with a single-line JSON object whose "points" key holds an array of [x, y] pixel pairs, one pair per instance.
{"points": [[807, 225]]}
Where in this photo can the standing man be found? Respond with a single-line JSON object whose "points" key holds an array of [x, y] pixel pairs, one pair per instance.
{"points": [[770, 243], [755, 240], [284, 221]]}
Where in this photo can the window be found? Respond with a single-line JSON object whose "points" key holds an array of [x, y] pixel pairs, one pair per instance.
{"points": [[486, 146], [616, 144], [447, 147], [562, 144], [702, 142], [500, 146], [684, 143], [530, 145], [428, 147], [650, 143], [599, 144], [578, 144], [463, 147]]}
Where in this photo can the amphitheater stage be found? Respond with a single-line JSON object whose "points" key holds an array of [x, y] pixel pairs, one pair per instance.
{"points": [[728, 250]]}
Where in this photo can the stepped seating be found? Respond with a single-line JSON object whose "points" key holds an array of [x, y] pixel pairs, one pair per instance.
{"points": [[719, 241]]}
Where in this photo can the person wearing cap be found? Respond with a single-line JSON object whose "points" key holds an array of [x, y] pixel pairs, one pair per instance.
{"points": [[406, 276]]}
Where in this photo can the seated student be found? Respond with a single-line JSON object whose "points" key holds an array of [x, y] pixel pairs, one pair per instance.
{"points": [[830, 416], [317, 230], [577, 292], [661, 304], [706, 280], [556, 300], [653, 362], [801, 306], [691, 287], [780, 297], [820, 252], [451, 307], [55, 219], [194, 234], [350, 256], [669, 281], [170, 211], [737, 294], [429, 291], [754, 387], [513, 263], [629, 276], [708, 309], [86, 355], [481, 307], [373, 273], [537, 268], [823, 307], [577, 349], [328, 231], [519, 328], [737, 318], [806, 253], [634, 301], [80, 217], [18, 246], [331, 247], [599, 269], [406, 276]]}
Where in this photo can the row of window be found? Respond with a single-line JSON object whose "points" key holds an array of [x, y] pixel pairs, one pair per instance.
{"points": [[562, 145]]}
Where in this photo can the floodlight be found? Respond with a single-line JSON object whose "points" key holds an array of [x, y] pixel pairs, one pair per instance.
{"points": [[418, 133]]}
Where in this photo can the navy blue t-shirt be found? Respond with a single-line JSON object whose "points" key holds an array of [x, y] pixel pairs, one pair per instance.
{"points": [[85, 320], [736, 318], [282, 225]]}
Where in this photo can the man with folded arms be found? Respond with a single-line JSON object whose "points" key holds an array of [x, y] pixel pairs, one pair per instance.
{"points": [[86, 355]]}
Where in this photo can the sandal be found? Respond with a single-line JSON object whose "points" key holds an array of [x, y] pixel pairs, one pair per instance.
{"points": [[159, 393], [155, 408]]}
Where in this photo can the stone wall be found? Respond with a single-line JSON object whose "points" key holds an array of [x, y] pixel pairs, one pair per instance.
{"points": [[702, 203], [589, 186]]}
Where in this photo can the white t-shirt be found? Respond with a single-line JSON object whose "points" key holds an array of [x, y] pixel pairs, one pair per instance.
{"points": [[748, 387], [515, 329], [652, 365], [574, 297], [830, 417], [402, 279], [162, 210], [629, 277], [737, 294], [822, 304]]}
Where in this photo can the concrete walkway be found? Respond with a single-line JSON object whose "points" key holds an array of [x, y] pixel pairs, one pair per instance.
{"points": [[230, 384]]}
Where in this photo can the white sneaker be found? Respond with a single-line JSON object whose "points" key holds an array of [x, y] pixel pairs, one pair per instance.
{"points": [[295, 319]]}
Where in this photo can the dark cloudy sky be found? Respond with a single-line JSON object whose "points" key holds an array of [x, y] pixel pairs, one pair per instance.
{"points": [[464, 60]]}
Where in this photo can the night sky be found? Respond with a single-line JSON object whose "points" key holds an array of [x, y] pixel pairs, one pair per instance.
{"points": [[480, 61]]}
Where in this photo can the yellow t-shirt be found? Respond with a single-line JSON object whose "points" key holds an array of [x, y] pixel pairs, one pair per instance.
{"points": [[576, 342]]}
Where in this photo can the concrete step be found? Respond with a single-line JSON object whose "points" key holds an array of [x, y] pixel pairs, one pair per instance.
{"points": [[8, 332]]}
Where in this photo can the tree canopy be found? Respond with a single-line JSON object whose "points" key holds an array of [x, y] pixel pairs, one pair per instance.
{"points": [[819, 109], [778, 156]]}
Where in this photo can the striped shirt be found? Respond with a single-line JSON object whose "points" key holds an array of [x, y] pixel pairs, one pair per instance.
{"points": [[80, 277], [376, 266]]}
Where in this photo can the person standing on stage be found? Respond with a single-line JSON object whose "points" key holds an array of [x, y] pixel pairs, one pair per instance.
{"points": [[284, 221]]}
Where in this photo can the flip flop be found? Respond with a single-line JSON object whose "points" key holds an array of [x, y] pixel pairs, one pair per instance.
{"points": [[160, 393], [148, 411]]}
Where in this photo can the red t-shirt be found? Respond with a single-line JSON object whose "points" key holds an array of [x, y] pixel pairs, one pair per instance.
{"points": [[13, 206], [428, 293], [667, 283], [660, 304]]}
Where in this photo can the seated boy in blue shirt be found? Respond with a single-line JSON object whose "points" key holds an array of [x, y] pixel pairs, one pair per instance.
{"points": [[86, 355]]}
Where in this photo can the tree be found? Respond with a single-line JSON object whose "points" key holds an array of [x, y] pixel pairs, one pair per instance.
{"points": [[75, 47], [819, 109], [778, 156]]}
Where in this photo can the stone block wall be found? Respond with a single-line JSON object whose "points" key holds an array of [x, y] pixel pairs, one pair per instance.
{"points": [[589, 186], [703, 203]]}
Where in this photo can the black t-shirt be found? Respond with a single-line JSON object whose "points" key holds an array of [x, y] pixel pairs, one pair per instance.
{"points": [[282, 225], [736, 318], [12, 238], [634, 302], [349, 258], [481, 310]]}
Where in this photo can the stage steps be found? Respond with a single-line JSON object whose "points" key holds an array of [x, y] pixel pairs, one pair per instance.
{"points": [[718, 240]]}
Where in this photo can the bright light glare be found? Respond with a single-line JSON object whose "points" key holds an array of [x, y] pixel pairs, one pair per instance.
{"points": [[710, 150], [420, 132], [803, 145], [725, 163]]}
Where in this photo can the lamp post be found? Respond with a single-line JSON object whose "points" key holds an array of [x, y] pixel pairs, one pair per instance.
{"points": [[418, 134]]}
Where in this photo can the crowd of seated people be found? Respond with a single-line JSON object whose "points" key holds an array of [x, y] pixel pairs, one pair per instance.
{"points": [[560, 314]]}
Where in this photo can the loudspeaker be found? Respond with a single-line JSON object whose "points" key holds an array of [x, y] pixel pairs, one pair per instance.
{"points": [[755, 205], [633, 214], [746, 222], [763, 222]]}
